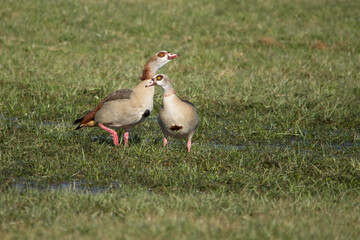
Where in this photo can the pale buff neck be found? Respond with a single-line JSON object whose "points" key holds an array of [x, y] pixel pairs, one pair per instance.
{"points": [[168, 90], [170, 99], [143, 91]]}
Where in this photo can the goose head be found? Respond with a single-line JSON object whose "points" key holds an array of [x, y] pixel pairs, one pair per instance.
{"points": [[156, 62], [163, 57], [160, 80]]}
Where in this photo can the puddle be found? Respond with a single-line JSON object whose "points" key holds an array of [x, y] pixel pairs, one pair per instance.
{"points": [[227, 147], [49, 124], [343, 146], [5, 118], [102, 139], [79, 187]]}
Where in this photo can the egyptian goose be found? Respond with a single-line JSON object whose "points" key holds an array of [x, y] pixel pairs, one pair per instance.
{"points": [[126, 108], [177, 118]]}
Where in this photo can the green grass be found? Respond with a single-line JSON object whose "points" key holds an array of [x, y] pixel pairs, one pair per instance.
{"points": [[136, 214], [276, 85]]}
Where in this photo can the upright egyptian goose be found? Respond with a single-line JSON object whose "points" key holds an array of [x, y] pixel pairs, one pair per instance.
{"points": [[126, 108], [177, 118]]}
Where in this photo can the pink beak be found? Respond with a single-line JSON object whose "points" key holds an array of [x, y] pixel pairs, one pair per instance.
{"points": [[151, 83], [171, 56]]}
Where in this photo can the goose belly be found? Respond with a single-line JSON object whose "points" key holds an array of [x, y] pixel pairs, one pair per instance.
{"points": [[174, 125], [124, 116]]}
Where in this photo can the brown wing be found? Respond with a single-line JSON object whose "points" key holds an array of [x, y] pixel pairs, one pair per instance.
{"points": [[186, 101], [119, 94], [87, 120]]}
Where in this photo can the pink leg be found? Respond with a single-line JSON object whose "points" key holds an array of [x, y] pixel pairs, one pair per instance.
{"points": [[126, 138], [112, 132], [165, 141], [189, 145]]}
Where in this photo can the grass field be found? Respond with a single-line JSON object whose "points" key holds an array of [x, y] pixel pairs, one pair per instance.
{"points": [[276, 86]]}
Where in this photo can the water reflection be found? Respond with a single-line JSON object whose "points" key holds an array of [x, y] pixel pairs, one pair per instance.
{"points": [[79, 187]]}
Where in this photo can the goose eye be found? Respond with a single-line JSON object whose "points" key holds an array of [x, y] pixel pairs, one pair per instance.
{"points": [[159, 77], [161, 54]]}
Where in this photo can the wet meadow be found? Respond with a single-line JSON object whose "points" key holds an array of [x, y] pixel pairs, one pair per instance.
{"points": [[277, 89]]}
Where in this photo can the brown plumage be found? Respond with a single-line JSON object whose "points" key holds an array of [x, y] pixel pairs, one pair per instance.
{"points": [[175, 128]]}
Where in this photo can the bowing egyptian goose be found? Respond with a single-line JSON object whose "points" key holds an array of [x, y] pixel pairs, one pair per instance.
{"points": [[177, 118], [127, 108]]}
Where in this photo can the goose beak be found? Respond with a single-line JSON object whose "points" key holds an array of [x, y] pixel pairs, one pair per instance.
{"points": [[171, 56], [151, 83]]}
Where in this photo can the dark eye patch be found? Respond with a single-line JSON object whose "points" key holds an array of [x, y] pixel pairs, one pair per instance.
{"points": [[161, 54], [159, 77]]}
